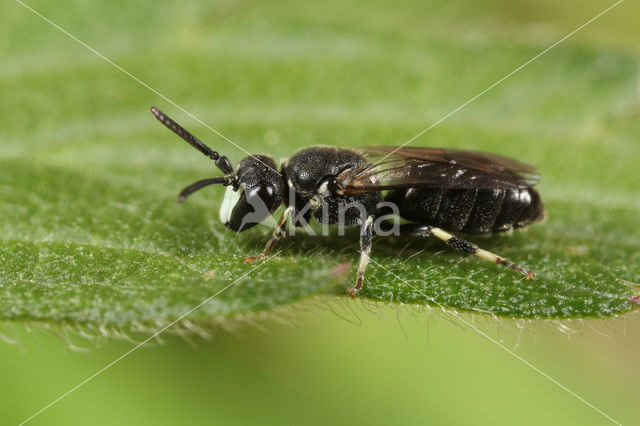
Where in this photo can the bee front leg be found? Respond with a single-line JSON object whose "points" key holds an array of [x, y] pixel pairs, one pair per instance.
{"points": [[278, 233], [366, 236]]}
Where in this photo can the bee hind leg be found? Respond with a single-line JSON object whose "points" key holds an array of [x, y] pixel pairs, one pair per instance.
{"points": [[462, 246]]}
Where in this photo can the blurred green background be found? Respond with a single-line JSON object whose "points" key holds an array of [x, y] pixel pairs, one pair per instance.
{"points": [[324, 361]]}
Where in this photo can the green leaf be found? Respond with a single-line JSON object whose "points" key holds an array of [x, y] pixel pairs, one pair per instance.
{"points": [[91, 232], [74, 251]]}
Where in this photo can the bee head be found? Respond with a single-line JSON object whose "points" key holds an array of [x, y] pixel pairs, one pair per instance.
{"points": [[256, 195], [253, 193]]}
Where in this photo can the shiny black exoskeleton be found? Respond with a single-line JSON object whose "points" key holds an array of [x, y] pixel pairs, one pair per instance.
{"points": [[471, 211], [438, 190], [311, 176]]}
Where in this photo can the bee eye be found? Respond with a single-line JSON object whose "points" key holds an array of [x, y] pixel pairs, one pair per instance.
{"points": [[252, 207]]}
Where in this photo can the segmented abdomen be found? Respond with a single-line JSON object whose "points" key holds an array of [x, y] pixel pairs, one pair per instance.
{"points": [[472, 211]]}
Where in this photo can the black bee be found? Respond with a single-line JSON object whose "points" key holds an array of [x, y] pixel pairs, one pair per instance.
{"points": [[438, 190]]}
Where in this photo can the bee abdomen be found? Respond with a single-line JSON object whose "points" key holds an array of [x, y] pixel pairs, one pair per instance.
{"points": [[456, 208], [520, 207], [471, 211], [486, 209], [447, 208]]}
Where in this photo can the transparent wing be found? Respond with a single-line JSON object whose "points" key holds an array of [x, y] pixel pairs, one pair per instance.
{"points": [[414, 167]]}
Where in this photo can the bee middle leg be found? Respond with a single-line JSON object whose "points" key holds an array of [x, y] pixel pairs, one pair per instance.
{"points": [[278, 233], [461, 245], [366, 236]]}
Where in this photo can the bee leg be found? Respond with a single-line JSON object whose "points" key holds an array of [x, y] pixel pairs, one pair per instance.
{"points": [[366, 235], [278, 233], [463, 246]]}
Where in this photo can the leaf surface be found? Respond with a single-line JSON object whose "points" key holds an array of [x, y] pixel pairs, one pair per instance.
{"points": [[90, 231]]}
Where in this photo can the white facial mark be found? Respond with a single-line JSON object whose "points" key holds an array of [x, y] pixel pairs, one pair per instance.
{"points": [[229, 201]]}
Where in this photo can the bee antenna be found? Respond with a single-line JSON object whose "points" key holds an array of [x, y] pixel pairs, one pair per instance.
{"points": [[222, 162], [225, 181]]}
